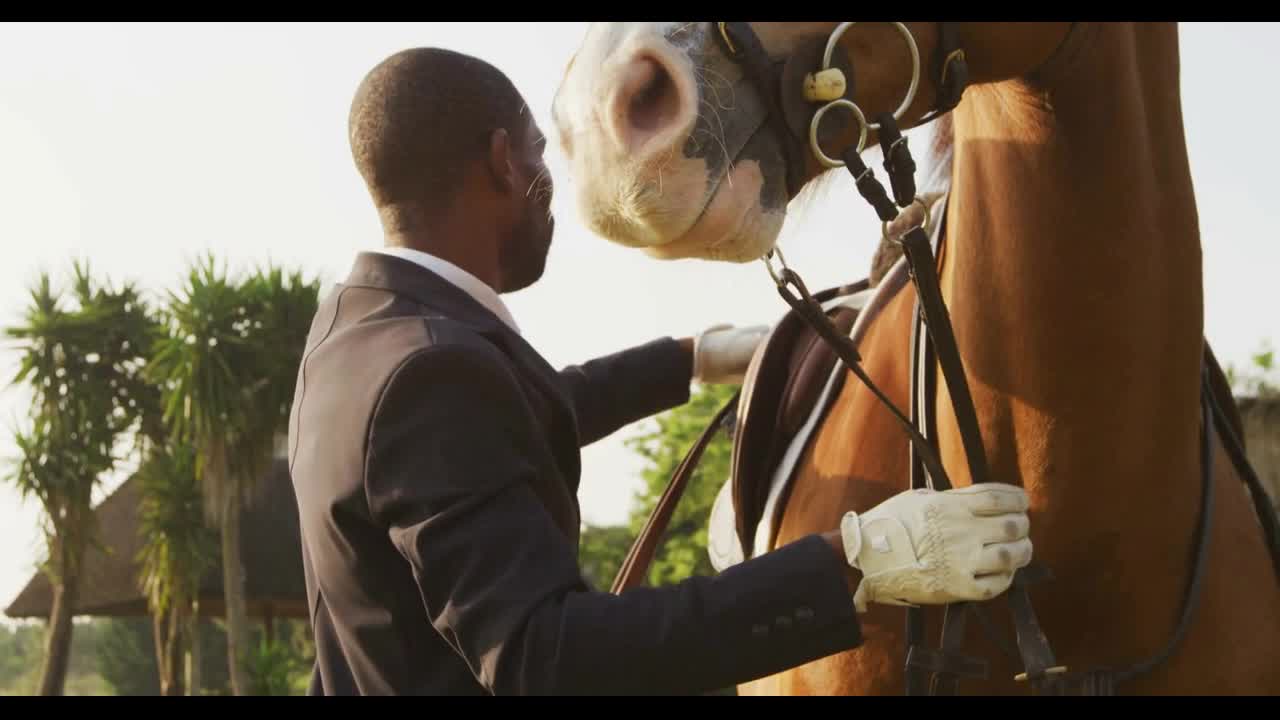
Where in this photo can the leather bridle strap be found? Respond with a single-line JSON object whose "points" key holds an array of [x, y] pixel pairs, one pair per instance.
{"points": [[947, 663], [1102, 680], [741, 44], [811, 312], [937, 320], [632, 571], [638, 559], [1265, 510], [951, 71]]}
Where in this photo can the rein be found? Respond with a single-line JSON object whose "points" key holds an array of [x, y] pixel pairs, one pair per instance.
{"points": [[933, 346]]}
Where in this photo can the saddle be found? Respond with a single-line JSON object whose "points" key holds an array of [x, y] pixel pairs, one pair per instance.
{"points": [[782, 385], [780, 389]]}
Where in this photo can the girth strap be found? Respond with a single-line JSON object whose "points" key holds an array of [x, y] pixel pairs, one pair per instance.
{"points": [[1262, 505]]}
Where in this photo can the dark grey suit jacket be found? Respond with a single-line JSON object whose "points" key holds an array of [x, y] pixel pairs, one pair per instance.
{"points": [[435, 457]]}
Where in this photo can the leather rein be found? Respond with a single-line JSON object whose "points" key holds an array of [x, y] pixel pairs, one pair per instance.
{"points": [[933, 346]]}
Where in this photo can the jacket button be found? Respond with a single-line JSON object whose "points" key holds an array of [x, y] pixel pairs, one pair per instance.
{"points": [[804, 614], [759, 630], [783, 622]]}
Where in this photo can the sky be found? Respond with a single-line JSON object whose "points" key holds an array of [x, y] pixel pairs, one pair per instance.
{"points": [[140, 146]]}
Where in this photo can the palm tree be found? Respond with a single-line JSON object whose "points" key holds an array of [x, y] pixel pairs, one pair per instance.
{"points": [[177, 549], [227, 366], [82, 361], [282, 307]]}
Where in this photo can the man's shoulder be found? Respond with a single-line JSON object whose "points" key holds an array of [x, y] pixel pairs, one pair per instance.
{"points": [[379, 324], [376, 355], [439, 344], [364, 341]]}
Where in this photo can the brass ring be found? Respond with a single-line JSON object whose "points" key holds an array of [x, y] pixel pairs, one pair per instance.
{"points": [[817, 120], [884, 225], [915, 63]]}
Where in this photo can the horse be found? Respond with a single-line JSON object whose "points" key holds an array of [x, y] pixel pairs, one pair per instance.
{"points": [[1070, 264]]}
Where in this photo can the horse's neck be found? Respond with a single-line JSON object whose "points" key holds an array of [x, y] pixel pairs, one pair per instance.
{"points": [[1072, 270]]}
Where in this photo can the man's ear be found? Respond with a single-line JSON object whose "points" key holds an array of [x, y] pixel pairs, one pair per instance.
{"points": [[500, 164]]}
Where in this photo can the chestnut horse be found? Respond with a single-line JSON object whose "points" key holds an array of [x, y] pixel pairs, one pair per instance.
{"points": [[1072, 272]]}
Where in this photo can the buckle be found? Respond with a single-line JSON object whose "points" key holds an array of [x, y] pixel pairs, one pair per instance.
{"points": [[1055, 670]]}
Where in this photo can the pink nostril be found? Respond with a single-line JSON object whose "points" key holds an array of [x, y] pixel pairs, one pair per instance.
{"points": [[648, 102]]}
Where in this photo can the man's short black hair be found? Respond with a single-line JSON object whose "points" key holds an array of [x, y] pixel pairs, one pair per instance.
{"points": [[421, 116]]}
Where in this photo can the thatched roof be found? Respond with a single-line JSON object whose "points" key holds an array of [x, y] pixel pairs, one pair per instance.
{"points": [[270, 546]]}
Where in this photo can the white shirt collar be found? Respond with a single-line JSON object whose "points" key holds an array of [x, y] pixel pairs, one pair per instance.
{"points": [[460, 278]]}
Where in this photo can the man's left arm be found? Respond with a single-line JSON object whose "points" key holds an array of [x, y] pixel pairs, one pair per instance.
{"points": [[613, 391]]}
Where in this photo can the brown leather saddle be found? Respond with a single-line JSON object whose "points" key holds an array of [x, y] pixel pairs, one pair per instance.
{"points": [[780, 390], [782, 385]]}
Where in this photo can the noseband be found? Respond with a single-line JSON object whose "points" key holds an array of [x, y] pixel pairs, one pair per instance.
{"points": [[791, 89]]}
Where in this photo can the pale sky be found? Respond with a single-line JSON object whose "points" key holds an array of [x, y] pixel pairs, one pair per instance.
{"points": [[138, 146]]}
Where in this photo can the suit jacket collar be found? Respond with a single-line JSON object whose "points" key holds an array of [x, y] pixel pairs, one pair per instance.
{"points": [[400, 276], [404, 277]]}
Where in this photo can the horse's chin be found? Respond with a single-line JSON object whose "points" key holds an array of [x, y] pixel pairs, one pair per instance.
{"points": [[733, 226]]}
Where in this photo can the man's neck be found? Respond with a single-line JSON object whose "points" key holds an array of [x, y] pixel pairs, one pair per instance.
{"points": [[457, 251]]}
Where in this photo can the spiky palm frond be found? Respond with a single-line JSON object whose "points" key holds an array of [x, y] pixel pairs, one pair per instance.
{"points": [[227, 363], [178, 548], [205, 366], [284, 306], [82, 355]]}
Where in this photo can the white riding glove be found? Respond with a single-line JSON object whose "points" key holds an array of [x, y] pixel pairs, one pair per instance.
{"points": [[722, 353], [924, 547]]}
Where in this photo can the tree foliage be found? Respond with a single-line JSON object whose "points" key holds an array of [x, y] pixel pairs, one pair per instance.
{"points": [[684, 549], [663, 442], [601, 550], [177, 548], [82, 355], [126, 658], [1261, 378], [227, 365]]}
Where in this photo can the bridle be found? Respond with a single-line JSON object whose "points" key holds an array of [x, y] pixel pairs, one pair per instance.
{"points": [[791, 88]]}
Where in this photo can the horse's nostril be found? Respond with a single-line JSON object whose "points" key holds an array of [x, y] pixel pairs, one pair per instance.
{"points": [[655, 102], [649, 101]]}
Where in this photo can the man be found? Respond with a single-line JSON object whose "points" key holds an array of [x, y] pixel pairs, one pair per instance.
{"points": [[435, 453]]}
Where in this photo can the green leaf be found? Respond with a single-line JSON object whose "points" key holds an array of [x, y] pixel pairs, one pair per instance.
{"points": [[663, 443]]}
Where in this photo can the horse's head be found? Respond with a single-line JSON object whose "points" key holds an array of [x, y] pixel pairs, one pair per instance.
{"points": [[674, 146]]}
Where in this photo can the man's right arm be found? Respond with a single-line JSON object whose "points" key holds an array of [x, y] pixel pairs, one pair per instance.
{"points": [[449, 469]]}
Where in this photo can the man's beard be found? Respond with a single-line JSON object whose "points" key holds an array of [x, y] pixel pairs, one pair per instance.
{"points": [[526, 255]]}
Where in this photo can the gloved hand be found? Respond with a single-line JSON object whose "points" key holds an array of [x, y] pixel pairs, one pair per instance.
{"points": [[722, 353], [924, 547]]}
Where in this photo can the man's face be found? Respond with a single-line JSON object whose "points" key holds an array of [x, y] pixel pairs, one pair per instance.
{"points": [[524, 254]]}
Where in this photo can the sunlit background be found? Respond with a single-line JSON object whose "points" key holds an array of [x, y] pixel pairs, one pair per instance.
{"points": [[139, 146]]}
